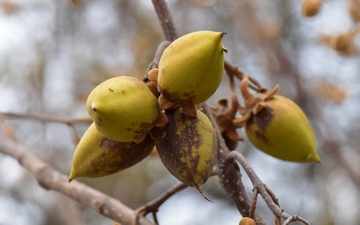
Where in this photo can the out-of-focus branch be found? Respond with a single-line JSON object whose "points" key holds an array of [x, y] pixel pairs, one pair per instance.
{"points": [[263, 190], [165, 18], [154, 205], [51, 179], [333, 149], [68, 121]]}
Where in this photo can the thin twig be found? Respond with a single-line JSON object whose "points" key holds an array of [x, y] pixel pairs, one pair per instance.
{"points": [[155, 63], [233, 70], [258, 184], [154, 205], [165, 19], [253, 203], [69, 121]]}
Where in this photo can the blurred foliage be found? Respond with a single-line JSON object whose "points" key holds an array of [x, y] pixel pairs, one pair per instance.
{"points": [[53, 53]]}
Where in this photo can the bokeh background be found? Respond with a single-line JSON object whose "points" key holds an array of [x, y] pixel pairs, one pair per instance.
{"points": [[54, 52]]}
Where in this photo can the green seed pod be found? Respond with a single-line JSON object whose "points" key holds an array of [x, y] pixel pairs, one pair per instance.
{"points": [[191, 67], [97, 155], [123, 108], [281, 129], [187, 146]]}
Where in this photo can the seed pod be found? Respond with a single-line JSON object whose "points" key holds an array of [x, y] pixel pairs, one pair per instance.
{"points": [[187, 146], [247, 221], [311, 8], [97, 155], [282, 130], [191, 67], [123, 108]]}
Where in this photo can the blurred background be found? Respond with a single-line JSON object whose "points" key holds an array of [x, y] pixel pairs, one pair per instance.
{"points": [[53, 53]]}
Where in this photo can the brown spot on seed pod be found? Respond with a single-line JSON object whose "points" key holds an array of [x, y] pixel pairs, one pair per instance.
{"points": [[177, 148], [115, 156], [187, 98], [262, 120], [111, 89]]}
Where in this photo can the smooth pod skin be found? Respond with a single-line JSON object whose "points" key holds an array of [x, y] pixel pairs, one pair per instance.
{"points": [[191, 67], [97, 155], [187, 147], [123, 108], [282, 130]]}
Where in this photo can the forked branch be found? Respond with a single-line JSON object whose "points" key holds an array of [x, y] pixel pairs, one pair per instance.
{"points": [[263, 190]]}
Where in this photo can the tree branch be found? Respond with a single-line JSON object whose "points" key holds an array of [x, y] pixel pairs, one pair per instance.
{"points": [[165, 18], [68, 121], [229, 176], [263, 190], [51, 179]]}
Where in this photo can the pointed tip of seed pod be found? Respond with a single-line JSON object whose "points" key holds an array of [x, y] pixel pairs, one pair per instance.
{"points": [[223, 33], [70, 179], [314, 158], [199, 188]]}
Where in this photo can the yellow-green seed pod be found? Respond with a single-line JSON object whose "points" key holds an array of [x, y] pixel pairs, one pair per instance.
{"points": [[282, 130], [123, 108], [97, 155], [187, 146], [191, 67]]}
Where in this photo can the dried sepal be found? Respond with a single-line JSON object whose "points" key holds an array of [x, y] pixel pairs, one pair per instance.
{"points": [[164, 103], [153, 75], [189, 110], [153, 88], [162, 120], [225, 115], [253, 103]]}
